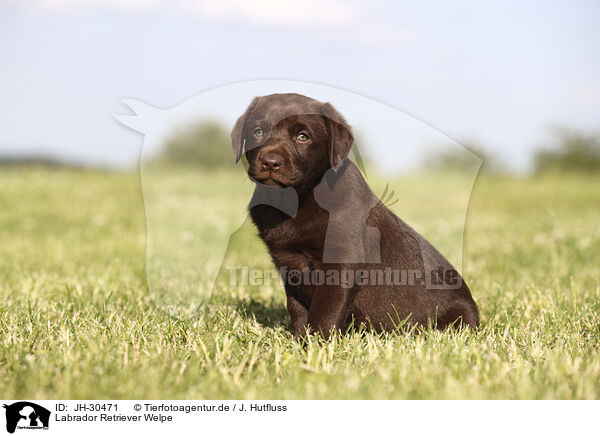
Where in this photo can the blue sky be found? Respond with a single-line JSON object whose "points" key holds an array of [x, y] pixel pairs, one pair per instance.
{"points": [[500, 74]]}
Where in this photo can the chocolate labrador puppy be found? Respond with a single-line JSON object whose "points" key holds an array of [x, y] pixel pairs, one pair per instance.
{"points": [[344, 257]]}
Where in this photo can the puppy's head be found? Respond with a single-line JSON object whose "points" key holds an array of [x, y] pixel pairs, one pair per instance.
{"points": [[291, 140]]}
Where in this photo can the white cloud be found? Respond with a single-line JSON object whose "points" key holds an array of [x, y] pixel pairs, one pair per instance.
{"points": [[123, 5], [276, 12], [345, 18]]}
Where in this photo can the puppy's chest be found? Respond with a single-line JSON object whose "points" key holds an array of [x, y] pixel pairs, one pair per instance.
{"points": [[303, 234], [298, 234]]}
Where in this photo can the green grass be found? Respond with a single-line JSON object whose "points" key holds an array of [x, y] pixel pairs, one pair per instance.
{"points": [[77, 320]]}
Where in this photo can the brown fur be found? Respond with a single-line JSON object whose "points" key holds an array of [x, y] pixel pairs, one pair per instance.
{"points": [[337, 216]]}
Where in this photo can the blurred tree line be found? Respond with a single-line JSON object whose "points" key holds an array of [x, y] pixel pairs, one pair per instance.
{"points": [[206, 144], [465, 160], [569, 151]]}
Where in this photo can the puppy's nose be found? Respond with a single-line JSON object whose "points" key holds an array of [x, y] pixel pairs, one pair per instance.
{"points": [[271, 162]]}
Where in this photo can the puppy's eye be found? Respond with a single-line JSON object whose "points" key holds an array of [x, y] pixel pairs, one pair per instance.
{"points": [[302, 137], [258, 132]]}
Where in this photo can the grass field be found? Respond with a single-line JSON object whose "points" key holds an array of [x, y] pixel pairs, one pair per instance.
{"points": [[77, 321]]}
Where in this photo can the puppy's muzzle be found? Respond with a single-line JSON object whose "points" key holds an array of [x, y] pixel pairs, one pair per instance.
{"points": [[271, 162]]}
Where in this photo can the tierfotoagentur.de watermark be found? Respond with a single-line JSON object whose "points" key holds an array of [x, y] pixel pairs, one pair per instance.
{"points": [[346, 278]]}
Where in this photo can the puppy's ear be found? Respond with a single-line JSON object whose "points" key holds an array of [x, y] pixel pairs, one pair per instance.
{"points": [[340, 136], [238, 132]]}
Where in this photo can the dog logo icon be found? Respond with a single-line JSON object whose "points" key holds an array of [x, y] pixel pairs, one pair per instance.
{"points": [[26, 415]]}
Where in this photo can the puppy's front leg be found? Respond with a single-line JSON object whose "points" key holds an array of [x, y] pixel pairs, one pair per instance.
{"points": [[329, 309], [298, 313]]}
